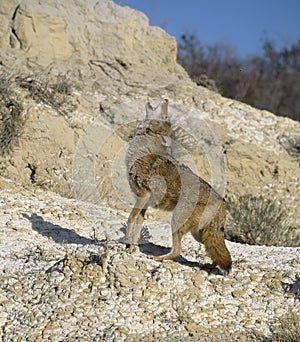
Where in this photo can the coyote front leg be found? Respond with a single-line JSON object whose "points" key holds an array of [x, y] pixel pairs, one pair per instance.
{"points": [[135, 221]]}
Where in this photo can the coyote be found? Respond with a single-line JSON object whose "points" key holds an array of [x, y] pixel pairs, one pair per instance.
{"points": [[160, 181]]}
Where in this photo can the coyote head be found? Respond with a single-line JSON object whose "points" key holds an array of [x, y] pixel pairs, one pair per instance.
{"points": [[157, 123]]}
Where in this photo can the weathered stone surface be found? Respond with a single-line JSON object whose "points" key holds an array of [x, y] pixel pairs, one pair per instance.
{"points": [[55, 276], [88, 34], [255, 142], [59, 275]]}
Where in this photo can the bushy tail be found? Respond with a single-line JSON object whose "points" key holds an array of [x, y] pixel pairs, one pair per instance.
{"points": [[213, 239]]}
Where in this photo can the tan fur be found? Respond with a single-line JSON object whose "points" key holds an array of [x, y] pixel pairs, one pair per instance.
{"points": [[160, 181]]}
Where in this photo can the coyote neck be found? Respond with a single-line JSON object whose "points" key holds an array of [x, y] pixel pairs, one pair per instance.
{"points": [[151, 137]]}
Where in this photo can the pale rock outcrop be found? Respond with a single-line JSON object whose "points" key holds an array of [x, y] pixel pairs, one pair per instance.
{"points": [[59, 277]]}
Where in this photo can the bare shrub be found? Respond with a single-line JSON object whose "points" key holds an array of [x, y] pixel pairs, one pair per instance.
{"points": [[259, 221], [54, 93], [287, 328], [11, 115]]}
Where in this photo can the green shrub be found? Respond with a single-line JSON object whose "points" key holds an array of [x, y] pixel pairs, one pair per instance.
{"points": [[259, 221]]}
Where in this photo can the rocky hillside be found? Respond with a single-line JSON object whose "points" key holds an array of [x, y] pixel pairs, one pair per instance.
{"points": [[75, 76]]}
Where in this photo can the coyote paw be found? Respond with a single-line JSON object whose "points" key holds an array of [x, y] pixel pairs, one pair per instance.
{"points": [[168, 256], [213, 265], [156, 258], [210, 266], [129, 248]]}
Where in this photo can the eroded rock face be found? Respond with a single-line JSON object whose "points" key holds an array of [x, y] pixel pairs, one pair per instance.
{"points": [[115, 39], [112, 62]]}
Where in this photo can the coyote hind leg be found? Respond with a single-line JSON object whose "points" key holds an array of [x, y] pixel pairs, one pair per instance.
{"points": [[135, 221], [176, 248]]}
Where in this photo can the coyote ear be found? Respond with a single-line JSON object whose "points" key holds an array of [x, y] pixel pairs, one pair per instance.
{"points": [[164, 108], [149, 110], [160, 112], [166, 141]]}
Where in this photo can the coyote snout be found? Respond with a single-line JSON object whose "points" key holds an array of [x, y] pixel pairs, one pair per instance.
{"points": [[160, 181]]}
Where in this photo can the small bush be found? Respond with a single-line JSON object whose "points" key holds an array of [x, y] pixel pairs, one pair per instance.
{"points": [[11, 115], [53, 93], [62, 86], [291, 144], [287, 328], [284, 329], [206, 82], [259, 221]]}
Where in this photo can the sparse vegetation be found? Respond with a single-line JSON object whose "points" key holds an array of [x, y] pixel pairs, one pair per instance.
{"points": [[284, 329], [291, 144], [53, 93], [259, 221], [11, 115]]}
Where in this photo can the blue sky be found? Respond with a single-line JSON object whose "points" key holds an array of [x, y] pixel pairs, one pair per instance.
{"points": [[241, 23]]}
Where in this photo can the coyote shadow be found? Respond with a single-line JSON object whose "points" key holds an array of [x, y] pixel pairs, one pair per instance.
{"points": [[150, 248], [55, 231], [156, 250]]}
